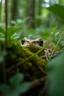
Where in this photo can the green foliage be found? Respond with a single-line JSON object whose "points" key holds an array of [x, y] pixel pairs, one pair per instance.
{"points": [[58, 10], [4, 88], [2, 55], [13, 33], [16, 87], [16, 80], [55, 70]]}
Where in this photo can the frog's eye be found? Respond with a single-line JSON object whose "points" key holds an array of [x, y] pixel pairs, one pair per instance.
{"points": [[41, 42], [23, 41]]}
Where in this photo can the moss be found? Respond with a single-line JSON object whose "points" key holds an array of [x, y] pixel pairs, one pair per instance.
{"points": [[24, 61], [24, 55], [34, 58], [34, 48]]}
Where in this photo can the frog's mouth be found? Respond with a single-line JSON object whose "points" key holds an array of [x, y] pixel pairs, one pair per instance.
{"points": [[36, 42]]}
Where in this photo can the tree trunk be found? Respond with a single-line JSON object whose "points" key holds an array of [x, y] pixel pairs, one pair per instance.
{"points": [[39, 7], [15, 11], [31, 14], [0, 10]]}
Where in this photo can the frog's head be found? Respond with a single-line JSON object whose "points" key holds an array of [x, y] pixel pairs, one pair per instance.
{"points": [[33, 42]]}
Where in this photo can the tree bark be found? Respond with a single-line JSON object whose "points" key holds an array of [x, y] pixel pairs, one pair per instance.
{"points": [[14, 10], [39, 12], [31, 14]]}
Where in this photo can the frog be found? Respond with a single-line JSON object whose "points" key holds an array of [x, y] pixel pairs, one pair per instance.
{"points": [[34, 45]]}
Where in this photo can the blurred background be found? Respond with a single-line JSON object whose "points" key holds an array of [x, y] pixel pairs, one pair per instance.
{"points": [[37, 17]]}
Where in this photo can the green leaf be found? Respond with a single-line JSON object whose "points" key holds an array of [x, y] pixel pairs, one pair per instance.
{"points": [[13, 22], [19, 21], [16, 79], [58, 10], [24, 87], [54, 29], [62, 43], [1, 30], [2, 36], [56, 76], [17, 35], [5, 88], [13, 30]]}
